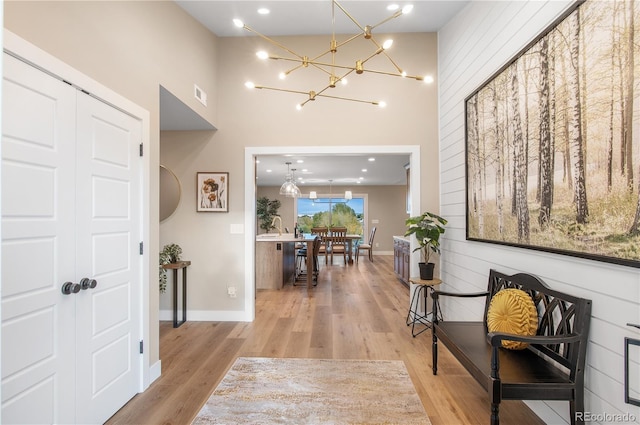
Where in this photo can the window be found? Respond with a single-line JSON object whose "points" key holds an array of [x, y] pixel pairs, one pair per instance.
{"points": [[319, 212]]}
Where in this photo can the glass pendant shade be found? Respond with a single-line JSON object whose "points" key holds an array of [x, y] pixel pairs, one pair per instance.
{"points": [[288, 188]]}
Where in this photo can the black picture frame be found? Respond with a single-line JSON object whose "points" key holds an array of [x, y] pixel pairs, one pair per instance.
{"points": [[534, 140]]}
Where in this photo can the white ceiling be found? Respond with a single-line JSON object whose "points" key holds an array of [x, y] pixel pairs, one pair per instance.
{"points": [[342, 170], [310, 17], [315, 17]]}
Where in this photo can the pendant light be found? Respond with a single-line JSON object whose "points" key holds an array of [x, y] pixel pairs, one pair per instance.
{"points": [[289, 188]]}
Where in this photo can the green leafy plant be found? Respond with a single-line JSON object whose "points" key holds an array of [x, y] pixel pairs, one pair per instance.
{"points": [[169, 254], [427, 229], [266, 209]]}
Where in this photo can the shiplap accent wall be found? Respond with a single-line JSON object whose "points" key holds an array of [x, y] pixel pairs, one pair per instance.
{"points": [[471, 48]]}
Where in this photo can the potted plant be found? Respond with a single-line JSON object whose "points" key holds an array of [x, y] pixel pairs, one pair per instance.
{"points": [[169, 254], [427, 228], [266, 209]]}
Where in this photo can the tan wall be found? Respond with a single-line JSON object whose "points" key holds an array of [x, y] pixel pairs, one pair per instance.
{"points": [[262, 118]]}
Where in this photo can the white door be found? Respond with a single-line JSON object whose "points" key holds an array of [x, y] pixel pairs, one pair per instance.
{"points": [[38, 246], [70, 190], [108, 226]]}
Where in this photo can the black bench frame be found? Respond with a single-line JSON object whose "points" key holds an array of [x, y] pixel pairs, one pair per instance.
{"points": [[550, 368]]}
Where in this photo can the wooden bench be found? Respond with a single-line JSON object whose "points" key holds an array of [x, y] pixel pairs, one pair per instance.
{"points": [[550, 368]]}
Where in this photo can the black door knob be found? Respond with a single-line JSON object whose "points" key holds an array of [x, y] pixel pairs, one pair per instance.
{"points": [[87, 283], [69, 288]]}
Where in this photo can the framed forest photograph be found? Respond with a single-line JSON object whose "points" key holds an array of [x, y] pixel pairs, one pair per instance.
{"points": [[553, 140]]}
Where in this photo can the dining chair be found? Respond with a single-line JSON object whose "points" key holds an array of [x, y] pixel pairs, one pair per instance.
{"points": [[366, 246], [323, 232], [338, 240]]}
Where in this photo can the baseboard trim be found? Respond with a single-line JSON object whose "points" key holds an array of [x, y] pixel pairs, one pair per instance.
{"points": [[155, 371]]}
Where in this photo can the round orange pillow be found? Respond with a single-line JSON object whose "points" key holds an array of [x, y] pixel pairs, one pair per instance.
{"points": [[512, 311]]}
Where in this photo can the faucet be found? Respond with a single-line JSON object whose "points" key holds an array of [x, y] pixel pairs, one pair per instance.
{"points": [[277, 217]]}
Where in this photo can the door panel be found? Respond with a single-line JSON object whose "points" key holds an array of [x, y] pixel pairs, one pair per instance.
{"points": [[38, 245], [71, 209], [109, 170]]}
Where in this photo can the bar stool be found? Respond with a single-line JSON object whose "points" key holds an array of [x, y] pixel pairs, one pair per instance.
{"points": [[301, 261], [302, 254], [421, 293]]}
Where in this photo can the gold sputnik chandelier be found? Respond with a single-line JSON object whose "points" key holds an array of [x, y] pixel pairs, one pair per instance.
{"points": [[336, 72]]}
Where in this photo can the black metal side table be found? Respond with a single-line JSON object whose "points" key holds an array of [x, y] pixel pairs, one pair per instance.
{"points": [[421, 293], [175, 267]]}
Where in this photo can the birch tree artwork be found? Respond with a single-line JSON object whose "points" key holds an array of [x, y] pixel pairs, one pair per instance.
{"points": [[553, 140]]}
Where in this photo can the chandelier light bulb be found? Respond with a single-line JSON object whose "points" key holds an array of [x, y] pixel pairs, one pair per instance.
{"points": [[428, 79], [359, 68], [407, 9], [382, 104], [344, 81]]}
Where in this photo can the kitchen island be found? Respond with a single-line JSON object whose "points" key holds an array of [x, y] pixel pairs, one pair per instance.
{"points": [[275, 260], [267, 275]]}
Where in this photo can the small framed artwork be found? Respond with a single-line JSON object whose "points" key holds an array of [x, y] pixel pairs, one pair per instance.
{"points": [[211, 192]]}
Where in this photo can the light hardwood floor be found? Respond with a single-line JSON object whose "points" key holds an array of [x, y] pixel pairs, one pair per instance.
{"points": [[355, 312]]}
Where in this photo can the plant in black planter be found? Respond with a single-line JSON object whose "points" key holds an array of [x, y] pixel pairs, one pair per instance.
{"points": [[427, 228]]}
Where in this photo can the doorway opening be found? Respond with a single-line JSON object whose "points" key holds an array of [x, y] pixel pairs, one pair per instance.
{"points": [[250, 231]]}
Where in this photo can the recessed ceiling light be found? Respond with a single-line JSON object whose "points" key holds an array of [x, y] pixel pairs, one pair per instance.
{"points": [[263, 11], [371, 159], [393, 7], [364, 170], [300, 161], [268, 171]]}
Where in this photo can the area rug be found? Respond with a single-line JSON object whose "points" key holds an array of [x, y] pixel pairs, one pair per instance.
{"points": [[314, 391]]}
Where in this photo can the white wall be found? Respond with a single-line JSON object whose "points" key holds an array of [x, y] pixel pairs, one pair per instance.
{"points": [[474, 45]]}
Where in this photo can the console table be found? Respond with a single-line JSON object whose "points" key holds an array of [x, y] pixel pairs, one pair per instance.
{"points": [[180, 265]]}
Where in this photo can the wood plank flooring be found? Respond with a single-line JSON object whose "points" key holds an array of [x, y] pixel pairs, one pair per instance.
{"points": [[355, 312]]}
